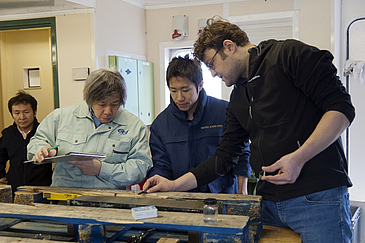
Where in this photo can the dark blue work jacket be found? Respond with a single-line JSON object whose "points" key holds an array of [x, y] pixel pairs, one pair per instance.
{"points": [[178, 144]]}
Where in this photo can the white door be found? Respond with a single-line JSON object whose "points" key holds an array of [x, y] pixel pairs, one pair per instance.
{"points": [[128, 69], [356, 49]]}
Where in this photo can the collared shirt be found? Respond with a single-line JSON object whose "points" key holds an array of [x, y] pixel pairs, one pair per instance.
{"points": [[96, 121], [24, 134]]}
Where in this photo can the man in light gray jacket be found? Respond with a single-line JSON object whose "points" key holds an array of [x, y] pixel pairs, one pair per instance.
{"points": [[97, 125]]}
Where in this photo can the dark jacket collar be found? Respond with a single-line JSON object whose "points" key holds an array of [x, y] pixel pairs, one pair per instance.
{"points": [[35, 125], [257, 55], [241, 81]]}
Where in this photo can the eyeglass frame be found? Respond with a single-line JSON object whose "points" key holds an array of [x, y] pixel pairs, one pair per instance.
{"points": [[210, 64]]}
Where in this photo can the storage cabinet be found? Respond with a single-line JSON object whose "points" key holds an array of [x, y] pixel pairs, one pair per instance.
{"points": [[139, 79]]}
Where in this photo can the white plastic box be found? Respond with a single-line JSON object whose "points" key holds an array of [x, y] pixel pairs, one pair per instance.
{"points": [[144, 212]]}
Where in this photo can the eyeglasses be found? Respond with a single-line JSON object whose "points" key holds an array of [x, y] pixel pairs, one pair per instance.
{"points": [[210, 64]]}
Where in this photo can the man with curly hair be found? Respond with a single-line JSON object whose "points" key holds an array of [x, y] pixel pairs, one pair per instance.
{"points": [[288, 101]]}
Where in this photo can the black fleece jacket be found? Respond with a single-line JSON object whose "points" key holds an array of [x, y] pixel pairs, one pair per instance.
{"points": [[290, 86], [13, 147]]}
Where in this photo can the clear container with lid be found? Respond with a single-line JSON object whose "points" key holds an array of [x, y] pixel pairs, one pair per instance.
{"points": [[210, 210]]}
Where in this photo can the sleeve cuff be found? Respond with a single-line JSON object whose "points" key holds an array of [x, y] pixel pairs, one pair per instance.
{"points": [[106, 171]]}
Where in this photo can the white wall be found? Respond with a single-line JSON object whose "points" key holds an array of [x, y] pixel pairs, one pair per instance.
{"points": [[86, 39], [159, 29], [75, 44], [314, 25], [120, 29]]}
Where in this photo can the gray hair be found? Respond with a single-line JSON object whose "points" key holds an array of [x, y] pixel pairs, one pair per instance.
{"points": [[102, 84]]}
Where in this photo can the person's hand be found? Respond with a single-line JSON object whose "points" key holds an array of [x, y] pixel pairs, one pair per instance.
{"points": [[44, 153], [288, 169], [158, 183], [88, 167], [3, 180]]}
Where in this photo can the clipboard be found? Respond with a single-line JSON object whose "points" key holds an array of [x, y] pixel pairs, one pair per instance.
{"points": [[78, 156]]}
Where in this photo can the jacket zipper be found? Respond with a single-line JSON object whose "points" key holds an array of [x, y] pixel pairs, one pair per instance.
{"points": [[251, 100], [251, 97]]}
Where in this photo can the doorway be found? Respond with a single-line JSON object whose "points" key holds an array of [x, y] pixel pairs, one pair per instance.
{"points": [[356, 52], [28, 45]]}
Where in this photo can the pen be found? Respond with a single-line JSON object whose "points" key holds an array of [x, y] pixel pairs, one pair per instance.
{"points": [[51, 148], [142, 192]]}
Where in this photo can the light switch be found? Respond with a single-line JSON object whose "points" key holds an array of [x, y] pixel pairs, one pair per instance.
{"points": [[80, 74]]}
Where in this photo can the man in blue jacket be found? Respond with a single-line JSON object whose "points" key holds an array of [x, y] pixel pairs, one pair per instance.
{"points": [[188, 131]]}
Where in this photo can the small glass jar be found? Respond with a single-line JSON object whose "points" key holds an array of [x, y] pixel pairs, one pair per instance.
{"points": [[210, 210]]}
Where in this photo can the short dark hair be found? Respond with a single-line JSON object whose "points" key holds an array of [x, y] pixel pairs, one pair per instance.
{"points": [[104, 83], [186, 68], [217, 31], [22, 98]]}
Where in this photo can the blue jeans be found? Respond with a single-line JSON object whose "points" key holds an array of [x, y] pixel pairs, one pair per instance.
{"points": [[318, 217]]}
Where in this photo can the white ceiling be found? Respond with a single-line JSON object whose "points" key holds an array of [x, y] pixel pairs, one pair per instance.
{"points": [[11, 7], [8, 7], [156, 4], [174, 3]]}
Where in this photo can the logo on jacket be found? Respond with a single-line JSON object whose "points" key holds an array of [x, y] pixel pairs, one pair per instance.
{"points": [[122, 131], [211, 126]]}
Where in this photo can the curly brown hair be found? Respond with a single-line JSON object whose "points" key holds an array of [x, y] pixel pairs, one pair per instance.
{"points": [[213, 35]]}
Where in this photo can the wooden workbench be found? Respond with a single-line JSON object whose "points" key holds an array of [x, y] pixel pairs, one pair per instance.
{"points": [[246, 205], [8, 239], [234, 205], [229, 228], [6, 193]]}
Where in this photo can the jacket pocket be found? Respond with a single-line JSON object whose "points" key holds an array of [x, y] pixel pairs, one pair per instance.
{"points": [[70, 142], [210, 131], [116, 151], [208, 139]]}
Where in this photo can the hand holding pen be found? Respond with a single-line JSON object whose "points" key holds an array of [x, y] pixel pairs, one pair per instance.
{"points": [[45, 152]]}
